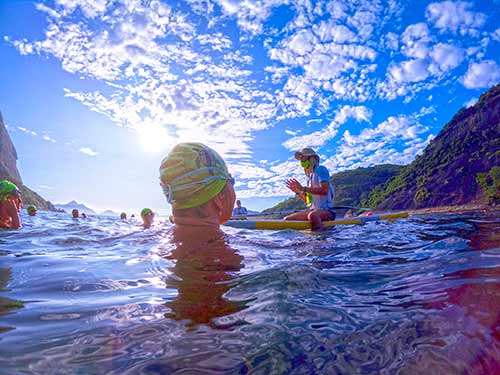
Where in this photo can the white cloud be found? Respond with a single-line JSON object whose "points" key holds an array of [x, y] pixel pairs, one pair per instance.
{"points": [[248, 171], [250, 15], [481, 75], [446, 56], [471, 103], [433, 63], [379, 145], [320, 137], [415, 40], [409, 71], [27, 131], [455, 17], [124, 46], [302, 43], [88, 151], [329, 31], [91, 8], [49, 139], [391, 41], [218, 41], [496, 35]]}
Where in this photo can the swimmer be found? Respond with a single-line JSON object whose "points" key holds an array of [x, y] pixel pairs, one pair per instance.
{"points": [[123, 216], [197, 184], [84, 215], [147, 216], [75, 213], [31, 210], [10, 205]]}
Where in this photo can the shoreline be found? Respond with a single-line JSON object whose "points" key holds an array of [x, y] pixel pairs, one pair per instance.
{"points": [[453, 209]]}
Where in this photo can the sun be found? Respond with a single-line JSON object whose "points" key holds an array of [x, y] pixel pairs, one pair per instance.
{"points": [[154, 138]]}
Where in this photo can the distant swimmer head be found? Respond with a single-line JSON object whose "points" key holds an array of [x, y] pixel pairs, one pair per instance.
{"points": [[123, 216], [75, 213], [8, 189], [192, 174], [84, 215], [147, 216], [31, 210], [147, 212]]}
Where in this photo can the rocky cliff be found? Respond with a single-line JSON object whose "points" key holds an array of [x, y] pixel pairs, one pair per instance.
{"points": [[8, 170]]}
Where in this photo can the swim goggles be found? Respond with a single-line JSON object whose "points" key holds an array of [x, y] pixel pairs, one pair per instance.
{"points": [[169, 189]]}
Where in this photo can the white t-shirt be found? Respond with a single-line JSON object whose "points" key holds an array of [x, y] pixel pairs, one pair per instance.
{"points": [[320, 175]]}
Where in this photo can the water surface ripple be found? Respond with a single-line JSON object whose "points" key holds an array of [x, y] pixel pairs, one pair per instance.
{"points": [[104, 296]]}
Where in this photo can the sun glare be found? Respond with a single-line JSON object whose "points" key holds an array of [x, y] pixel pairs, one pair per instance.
{"points": [[154, 138]]}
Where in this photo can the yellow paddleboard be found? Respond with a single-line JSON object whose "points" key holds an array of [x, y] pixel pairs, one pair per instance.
{"points": [[304, 225]]}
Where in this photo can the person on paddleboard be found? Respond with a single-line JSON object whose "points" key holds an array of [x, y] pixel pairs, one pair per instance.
{"points": [[239, 209], [198, 186], [318, 194]]}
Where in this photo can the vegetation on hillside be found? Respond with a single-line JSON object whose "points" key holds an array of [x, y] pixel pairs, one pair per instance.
{"points": [[490, 183], [289, 204], [353, 187], [448, 171]]}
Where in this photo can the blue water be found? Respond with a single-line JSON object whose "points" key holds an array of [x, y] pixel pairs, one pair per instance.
{"points": [[99, 296]]}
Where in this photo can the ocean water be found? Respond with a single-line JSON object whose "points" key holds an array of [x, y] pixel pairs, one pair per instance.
{"points": [[102, 296]]}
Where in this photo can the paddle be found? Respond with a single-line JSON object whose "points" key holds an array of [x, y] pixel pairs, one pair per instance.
{"points": [[286, 212]]}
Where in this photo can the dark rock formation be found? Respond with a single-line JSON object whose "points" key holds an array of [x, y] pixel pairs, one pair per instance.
{"points": [[9, 171]]}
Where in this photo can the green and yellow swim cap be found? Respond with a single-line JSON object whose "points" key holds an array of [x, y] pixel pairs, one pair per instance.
{"points": [[7, 188], [31, 208], [146, 212], [192, 174]]}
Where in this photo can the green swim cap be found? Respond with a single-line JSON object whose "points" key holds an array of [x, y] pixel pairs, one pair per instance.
{"points": [[31, 208], [146, 211], [7, 188], [192, 174]]}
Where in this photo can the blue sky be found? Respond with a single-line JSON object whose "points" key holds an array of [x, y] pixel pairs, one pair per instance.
{"points": [[96, 92]]}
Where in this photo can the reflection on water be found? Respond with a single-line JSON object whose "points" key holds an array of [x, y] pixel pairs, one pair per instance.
{"points": [[417, 296], [204, 267]]}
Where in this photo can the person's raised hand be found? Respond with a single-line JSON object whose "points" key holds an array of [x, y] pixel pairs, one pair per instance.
{"points": [[294, 185]]}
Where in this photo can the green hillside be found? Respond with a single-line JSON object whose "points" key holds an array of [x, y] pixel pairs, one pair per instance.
{"points": [[459, 166]]}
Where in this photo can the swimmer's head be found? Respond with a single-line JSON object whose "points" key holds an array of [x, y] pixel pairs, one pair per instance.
{"points": [[31, 210], [8, 190], [123, 216], [192, 174], [74, 213], [147, 216]]}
